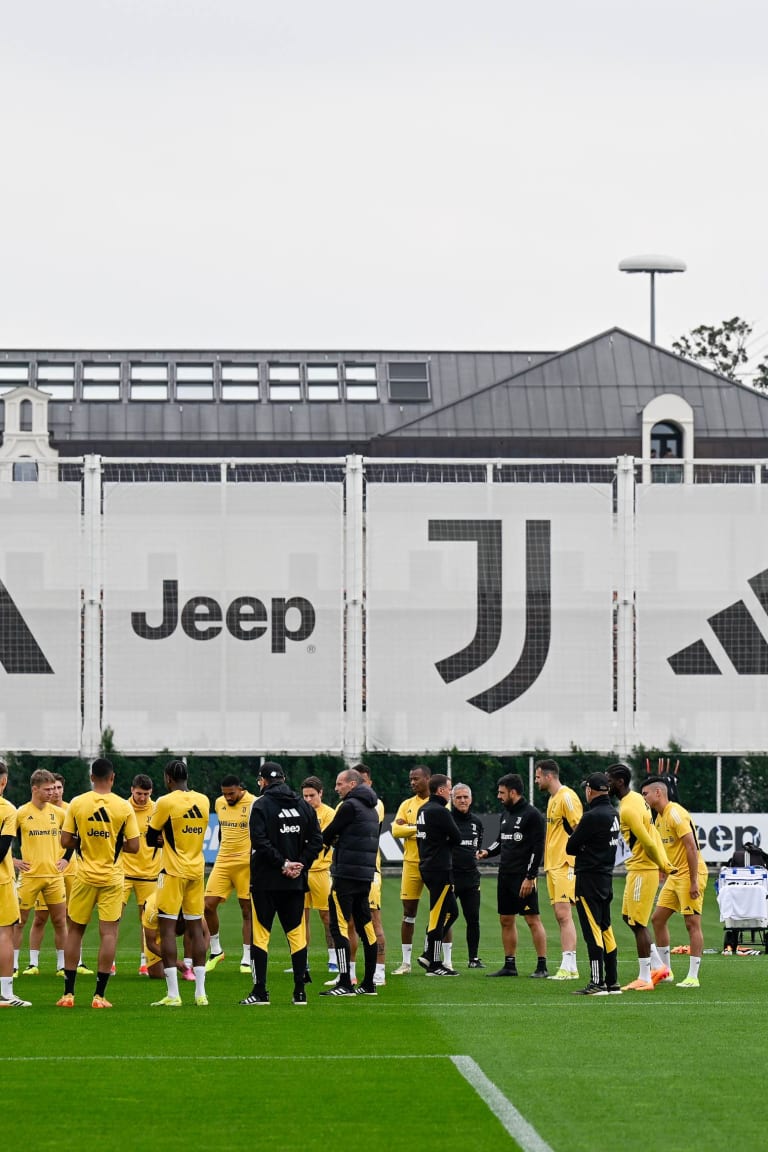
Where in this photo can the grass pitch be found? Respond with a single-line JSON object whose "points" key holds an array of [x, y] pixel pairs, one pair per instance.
{"points": [[452, 1064]]}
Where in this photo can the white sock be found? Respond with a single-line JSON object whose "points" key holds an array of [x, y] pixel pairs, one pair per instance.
{"points": [[15, 958], [569, 962], [694, 963], [6, 987], [215, 944], [172, 980], [447, 954], [645, 969], [142, 961], [352, 970], [664, 957], [187, 962], [332, 956], [407, 949], [655, 958], [199, 971], [380, 970], [246, 954], [59, 958], [34, 957]]}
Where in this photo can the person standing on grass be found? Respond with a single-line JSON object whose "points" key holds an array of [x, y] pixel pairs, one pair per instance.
{"points": [[564, 811], [232, 870], [99, 826], [354, 835], [319, 875], [646, 859], [41, 865], [683, 891], [411, 884], [436, 837], [285, 840], [144, 869], [521, 847], [179, 823], [466, 874], [9, 902], [593, 845]]}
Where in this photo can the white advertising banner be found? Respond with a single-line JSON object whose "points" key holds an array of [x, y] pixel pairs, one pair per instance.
{"points": [[40, 617], [489, 616], [702, 599], [723, 833], [223, 616]]}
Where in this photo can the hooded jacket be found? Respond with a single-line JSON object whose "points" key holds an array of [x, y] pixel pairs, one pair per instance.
{"points": [[595, 839], [354, 834], [436, 836], [466, 873], [282, 827]]}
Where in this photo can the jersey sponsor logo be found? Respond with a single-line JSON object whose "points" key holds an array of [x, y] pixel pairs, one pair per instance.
{"points": [[196, 829], [245, 618], [19, 651], [738, 636], [487, 534], [290, 828]]}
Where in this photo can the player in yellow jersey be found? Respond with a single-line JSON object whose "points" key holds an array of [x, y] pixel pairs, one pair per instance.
{"points": [[232, 869], [9, 904], [100, 826], [151, 928], [180, 822], [142, 871], [411, 885], [564, 810], [646, 860], [319, 874], [41, 865], [684, 890]]}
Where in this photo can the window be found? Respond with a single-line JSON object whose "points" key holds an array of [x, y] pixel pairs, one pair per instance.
{"points": [[666, 447], [25, 470], [284, 382], [101, 382], [408, 381], [240, 382], [57, 380], [361, 382], [323, 382], [194, 382], [149, 382], [13, 376], [25, 416]]}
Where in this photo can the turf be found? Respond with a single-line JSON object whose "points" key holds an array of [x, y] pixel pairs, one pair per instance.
{"points": [[669, 1069]]}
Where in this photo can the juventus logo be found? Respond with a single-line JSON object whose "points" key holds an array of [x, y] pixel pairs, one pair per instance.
{"points": [[487, 534], [19, 651]]}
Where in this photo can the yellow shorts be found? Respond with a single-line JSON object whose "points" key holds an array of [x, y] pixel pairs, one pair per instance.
{"points": [[86, 897], [180, 894], [639, 895], [229, 876], [561, 885], [411, 884], [374, 899], [9, 905], [142, 888], [41, 891], [319, 888], [676, 894]]}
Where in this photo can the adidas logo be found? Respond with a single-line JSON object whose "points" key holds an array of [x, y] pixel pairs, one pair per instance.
{"points": [[739, 636], [286, 813], [194, 813], [100, 816]]}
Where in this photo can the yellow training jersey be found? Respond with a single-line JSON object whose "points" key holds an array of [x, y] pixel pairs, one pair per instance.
{"points": [[408, 811], [647, 852], [101, 821], [322, 862], [234, 835], [39, 833], [182, 817], [564, 811], [7, 828], [672, 825], [147, 862]]}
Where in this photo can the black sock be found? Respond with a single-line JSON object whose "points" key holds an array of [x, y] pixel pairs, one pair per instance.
{"points": [[510, 962], [101, 983], [70, 975]]}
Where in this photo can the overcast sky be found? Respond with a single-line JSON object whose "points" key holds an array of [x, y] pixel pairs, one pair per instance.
{"points": [[338, 174]]}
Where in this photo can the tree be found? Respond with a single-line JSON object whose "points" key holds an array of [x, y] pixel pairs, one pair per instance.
{"points": [[722, 347]]}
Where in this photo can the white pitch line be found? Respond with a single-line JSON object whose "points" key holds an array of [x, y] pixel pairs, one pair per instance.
{"points": [[514, 1123]]}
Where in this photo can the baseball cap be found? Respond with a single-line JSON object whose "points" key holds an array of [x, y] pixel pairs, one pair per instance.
{"points": [[271, 771], [598, 782]]}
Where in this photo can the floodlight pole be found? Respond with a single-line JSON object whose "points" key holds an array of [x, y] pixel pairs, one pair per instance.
{"points": [[651, 265]]}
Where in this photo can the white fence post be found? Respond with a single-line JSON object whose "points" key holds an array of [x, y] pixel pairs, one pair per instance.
{"points": [[354, 723], [93, 573], [625, 607]]}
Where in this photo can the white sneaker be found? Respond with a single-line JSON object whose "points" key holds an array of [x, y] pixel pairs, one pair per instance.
{"points": [[379, 979], [403, 970]]}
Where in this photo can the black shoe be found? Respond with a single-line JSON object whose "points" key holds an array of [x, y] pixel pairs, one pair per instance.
{"points": [[299, 995], [441, 970], [592, 990], [505, 971], [258, 996], [476, 963], [540, 974], [423, 960], [339, 990], [362, 990], [614, 989]]}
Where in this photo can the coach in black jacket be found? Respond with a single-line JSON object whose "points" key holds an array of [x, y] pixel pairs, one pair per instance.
{"points": [[593, 843], [466, 874], [436, 837], [354, 834], [521, 846], [285, 839]]}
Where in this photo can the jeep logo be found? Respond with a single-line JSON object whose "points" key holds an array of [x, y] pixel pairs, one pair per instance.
{"points": [[246, 618]]}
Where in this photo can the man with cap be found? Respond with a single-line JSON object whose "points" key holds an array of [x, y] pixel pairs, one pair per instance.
{"points": [[285, 839], [646, 860], [593, 845]]}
